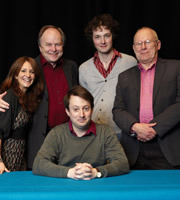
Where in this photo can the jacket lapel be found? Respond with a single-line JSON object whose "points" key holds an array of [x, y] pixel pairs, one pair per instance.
{"points": [[136, 80], [159, 74]]}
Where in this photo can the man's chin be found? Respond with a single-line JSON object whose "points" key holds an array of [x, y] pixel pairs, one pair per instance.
{"points": [[84, 126], [53, 61]]}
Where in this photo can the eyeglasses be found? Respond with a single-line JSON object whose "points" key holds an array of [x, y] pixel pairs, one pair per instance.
{"points": [[148, 43]]}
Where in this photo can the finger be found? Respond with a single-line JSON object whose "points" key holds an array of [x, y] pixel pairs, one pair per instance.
{"points": [[3, 94], [2, 110], [6, 170], [147, 139], [79, 177], [141, 139], [87, 165], [77, 168], [87, 178], [78, 164], [152, 124], [78, 172], [4, 104], [87, 174]]}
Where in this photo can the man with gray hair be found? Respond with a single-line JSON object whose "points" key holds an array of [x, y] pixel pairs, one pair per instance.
{"points": [[60, 75], [147, 106]]}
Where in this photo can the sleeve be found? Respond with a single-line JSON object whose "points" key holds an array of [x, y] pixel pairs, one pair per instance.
{"points": [[82, 77], [170, 117], [45, 163], [117, 160], [7, 118], [75, 75], [71, 71], [121, 116]]}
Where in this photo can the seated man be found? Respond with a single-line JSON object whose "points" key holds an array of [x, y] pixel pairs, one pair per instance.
{"points": [[80, 149]]}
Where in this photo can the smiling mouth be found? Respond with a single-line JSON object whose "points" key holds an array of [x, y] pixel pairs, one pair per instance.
{"points": [[53, 54], [27, 79], [81, 120]]}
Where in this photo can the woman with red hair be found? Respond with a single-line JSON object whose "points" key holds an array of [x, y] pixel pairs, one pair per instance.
{"points": [[24, 86]]}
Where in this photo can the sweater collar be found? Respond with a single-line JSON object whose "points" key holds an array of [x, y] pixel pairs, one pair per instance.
{"points": [[92, 129]]}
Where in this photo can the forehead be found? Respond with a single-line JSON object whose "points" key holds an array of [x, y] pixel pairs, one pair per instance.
{"points": [[78, 101], [26, 65], [51, 33], [144, 34], [101, 30]]}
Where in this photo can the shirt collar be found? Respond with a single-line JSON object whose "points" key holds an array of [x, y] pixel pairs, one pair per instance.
{"points": [[153, 65], [92, 129], [116, 54]]}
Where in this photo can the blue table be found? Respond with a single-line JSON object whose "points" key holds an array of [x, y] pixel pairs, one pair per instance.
{"points": [[155, 184]]}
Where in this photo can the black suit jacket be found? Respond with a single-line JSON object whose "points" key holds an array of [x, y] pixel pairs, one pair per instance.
{"points": [[39, 126], [166, 108]]}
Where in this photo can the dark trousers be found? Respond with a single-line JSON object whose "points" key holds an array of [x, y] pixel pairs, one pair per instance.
{"points": [[151, 157]]}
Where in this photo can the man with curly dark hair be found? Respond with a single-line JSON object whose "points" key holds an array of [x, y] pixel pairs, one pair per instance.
{"points": [[100, 73]]}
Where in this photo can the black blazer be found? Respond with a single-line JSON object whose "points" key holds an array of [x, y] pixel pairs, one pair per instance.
{"points": [[166, 108], [38, 129]]}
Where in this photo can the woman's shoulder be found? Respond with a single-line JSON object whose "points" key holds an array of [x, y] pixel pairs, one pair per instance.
{"points": [[10, 96]]}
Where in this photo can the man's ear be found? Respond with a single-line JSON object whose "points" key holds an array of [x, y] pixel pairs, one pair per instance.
{"points": [[67, 111], [159, 44]]}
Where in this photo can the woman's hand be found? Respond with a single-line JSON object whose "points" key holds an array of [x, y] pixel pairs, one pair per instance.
{"points": [[3, 168]]}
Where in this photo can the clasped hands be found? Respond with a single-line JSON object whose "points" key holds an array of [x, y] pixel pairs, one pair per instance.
{"points": [[145, 132], [82, 171]]}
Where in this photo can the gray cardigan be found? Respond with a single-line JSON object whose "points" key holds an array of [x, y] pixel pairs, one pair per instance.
{"points": [[103, 89]]}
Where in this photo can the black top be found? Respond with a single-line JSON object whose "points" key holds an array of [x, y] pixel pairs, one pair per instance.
{"points": [[14, 121]]}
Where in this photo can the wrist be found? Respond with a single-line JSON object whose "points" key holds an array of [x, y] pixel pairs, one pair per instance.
{"points": [[98, 174], [69, 173]]}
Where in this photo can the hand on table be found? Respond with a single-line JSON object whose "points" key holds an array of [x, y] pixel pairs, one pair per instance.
{"points": [[3, 168]]}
